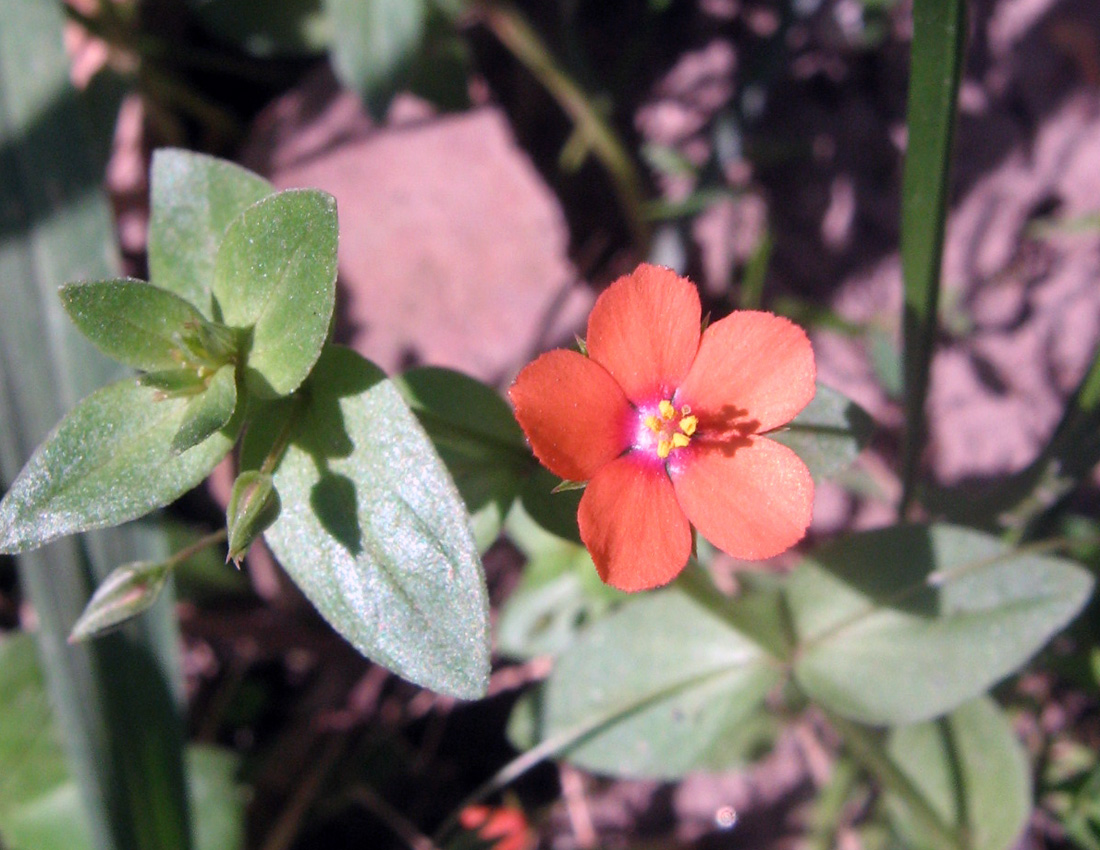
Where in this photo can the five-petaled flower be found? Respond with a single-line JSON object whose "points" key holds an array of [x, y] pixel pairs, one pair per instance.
{"points": [[665, 422]]}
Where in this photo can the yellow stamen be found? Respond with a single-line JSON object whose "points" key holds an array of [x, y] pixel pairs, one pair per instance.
{"points": [[663, 448], [680, 440], [688, 424], [667, 410], [653, 424]]}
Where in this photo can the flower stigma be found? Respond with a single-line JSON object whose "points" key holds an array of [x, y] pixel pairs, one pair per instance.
{"points": [[672, 428]]}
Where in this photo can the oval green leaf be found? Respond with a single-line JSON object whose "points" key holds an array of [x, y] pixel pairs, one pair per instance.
{"points": [[194, 198], [275, 274], [108, 461], [373, 531], [903, 624], [477, 437], [828, 433], [971, 770], [209, 411], [662, 687], [132, 321], [374, 45]]}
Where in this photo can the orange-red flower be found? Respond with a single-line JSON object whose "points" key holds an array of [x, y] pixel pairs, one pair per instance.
{"points": [[665, 423]]}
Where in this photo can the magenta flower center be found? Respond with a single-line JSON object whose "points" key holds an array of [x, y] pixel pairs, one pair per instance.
{"points": [[663, 429]]}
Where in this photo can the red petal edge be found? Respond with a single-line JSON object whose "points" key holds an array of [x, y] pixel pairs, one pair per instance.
{"points": [[633, 526], [754, 372], [574, 414], [644, 329], [753, 500]]}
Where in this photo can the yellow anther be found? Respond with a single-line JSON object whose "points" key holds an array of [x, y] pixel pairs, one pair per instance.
{"points": [[680, 440], [664, 447], [653, 424], [666, 408], [688, 425]]}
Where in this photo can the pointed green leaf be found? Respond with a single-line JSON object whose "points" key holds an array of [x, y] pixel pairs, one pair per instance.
{"points": [[208, 412], [194, 197], [554, 511], [477, 437], [375, 43], [132, 321], [903, 624], [40, 808], [663, 687], [108, 461], [276, 273], [973, 772], [126, 592], [373, 531], [828, 433]]}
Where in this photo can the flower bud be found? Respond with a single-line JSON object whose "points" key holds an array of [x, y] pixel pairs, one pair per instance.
{"points": [[253, 506]]}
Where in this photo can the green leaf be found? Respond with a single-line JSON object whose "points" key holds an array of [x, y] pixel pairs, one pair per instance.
{"points": [[828, 433], [939, 39], [441, 66], [971, 769], [662, 687], [40, 808], [276, 273], [132, 321], [194, 198], [108, 461], [128, 591], [290, 28], [477, 437], [560, 593], [208, 412], [903, 624], [373, 531], [115, 698], [217, 800], [375, 43], [554, 511]]}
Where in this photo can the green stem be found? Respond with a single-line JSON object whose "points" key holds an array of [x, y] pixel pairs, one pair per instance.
{"points": [[939, 36], [558, 744], [279, 447], [865, 745], [519, 37]]}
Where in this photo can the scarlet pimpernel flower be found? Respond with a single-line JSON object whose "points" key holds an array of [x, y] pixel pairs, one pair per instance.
{"points": [[666, 423]]}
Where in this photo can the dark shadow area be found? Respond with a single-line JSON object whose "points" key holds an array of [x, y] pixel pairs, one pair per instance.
{"points": [[862, 564], [58, 158]]}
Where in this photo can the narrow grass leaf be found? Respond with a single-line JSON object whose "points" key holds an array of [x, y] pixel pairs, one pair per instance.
{"points": [[939, 38]]}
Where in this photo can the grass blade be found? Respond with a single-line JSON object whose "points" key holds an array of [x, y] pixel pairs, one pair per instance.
{"points": [[939, 36]]}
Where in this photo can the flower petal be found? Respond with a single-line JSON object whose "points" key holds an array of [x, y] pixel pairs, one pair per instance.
{"points": [[753, 501], [632, 525], [573, 413], [644, 329], [754, 372]]}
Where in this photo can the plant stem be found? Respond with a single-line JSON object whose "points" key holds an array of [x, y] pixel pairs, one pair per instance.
{"points": [[519, 37], [865, 745]]}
